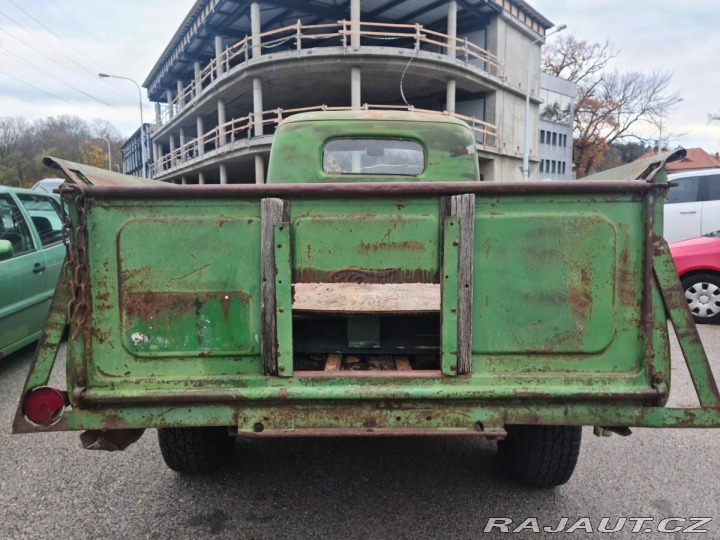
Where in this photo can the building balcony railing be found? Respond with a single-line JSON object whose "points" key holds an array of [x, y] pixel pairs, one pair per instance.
{"points": [[406, 36], [239, 129]]}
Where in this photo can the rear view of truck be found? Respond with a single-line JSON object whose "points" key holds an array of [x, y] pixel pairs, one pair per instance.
{"points": [[372, 287]]}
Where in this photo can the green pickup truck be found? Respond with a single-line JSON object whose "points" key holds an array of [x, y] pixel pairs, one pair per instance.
{"points": [[374, 286]]}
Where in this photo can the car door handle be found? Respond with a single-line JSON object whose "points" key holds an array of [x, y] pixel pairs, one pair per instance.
{"points": [[38, 268], [690, 212]]}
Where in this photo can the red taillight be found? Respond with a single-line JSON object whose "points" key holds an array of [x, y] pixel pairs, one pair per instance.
{"points": [[44, 405]]}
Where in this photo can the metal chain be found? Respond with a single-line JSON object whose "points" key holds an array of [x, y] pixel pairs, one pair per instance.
{"points": [[76, 263]]}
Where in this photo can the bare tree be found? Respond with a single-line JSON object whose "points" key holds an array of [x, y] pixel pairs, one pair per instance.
{"points": [[574, 60], [610, 104]]}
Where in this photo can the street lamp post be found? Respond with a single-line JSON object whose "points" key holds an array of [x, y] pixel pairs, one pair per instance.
{"points": [[526, 138], [109, 151], [143, 155]]}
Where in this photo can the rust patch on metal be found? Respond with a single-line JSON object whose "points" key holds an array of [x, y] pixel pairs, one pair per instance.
{"points": [[366, 275], [627, 282], [146, 306], [366, 248]]}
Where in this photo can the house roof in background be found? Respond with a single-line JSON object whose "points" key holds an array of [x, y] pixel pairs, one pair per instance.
{"points": [[696, 158]]}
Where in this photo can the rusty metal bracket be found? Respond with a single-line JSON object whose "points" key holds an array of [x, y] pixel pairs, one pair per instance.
{"points": [[48, 346], [687, 334]]}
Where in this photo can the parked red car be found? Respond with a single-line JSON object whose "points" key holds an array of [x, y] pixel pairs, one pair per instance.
{"points": [[698, 264]]}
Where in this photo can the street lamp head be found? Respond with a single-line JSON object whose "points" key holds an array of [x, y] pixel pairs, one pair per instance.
{"points": [[103, 75], [561, 28]]}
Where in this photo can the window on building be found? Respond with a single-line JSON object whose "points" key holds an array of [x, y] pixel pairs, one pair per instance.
{"points": [[542, 136], [556, 107], [563, 167], [553, 166], [554, 138], [542, 165]]}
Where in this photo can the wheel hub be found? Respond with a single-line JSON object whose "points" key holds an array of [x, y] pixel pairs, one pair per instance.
{"points": [[703, 299]]}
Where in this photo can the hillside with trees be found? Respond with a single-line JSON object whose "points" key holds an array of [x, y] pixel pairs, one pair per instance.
{"points": [[23, 144]]}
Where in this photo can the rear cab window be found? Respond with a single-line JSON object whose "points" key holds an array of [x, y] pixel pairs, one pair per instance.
{"points": [[384, 157]]}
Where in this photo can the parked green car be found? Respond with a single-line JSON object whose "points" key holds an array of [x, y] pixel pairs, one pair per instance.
{"points": [[31, 257]]}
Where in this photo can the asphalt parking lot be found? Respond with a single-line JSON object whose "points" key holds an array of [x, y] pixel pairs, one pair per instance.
{"points": [[348, 488]]}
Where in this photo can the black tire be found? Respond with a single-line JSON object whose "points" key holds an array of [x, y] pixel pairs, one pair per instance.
{"points": [[540, 456], [195, 450], [702, 292]]}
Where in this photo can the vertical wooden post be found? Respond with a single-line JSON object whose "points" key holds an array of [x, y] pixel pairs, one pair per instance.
{"points": [[463, 207], [272, 211]]}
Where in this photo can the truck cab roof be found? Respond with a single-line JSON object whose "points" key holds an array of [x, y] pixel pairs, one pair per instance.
{"points": [[372, 146]]}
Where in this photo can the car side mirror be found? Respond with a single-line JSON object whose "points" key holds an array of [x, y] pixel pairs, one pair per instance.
{"points": [[6, 250]]}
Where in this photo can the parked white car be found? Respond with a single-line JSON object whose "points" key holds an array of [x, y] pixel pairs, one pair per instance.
{"points": [[692, 208]]}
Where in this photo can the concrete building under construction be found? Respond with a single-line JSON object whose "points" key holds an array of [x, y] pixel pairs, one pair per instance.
{"points": [[236, 68]]}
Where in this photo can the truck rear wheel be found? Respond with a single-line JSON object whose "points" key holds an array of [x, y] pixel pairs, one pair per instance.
{"points": [[195, 450], [540, 456]]}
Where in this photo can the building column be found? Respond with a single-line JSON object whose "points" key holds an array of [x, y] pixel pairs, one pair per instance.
{"points": [[258, 106], [222, 136], [219, 65], [181, 100], [172, 150], [157, 114], [201, 177], [183, 150], [259, 169], [196, 82], [183, 180], [169, 99], [200, 135], [355, 23], [355, 87], [223, 173], [450, 101], [157, 152], [255, 29], [452, 29]]}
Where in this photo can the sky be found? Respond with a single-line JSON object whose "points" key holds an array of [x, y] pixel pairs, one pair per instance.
{"points": [[680, 37], [52, 50]]}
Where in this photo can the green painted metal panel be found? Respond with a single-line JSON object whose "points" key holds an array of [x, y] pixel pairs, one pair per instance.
{"points": [[449, 322], [283, 294], [557, 285], [370, 241], [175, 291]]}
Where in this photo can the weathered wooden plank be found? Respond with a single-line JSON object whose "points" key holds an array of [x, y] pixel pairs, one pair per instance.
{"points": [[333, 362], [463, 206], [402, 363], [366, 297], [272, 211]]}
